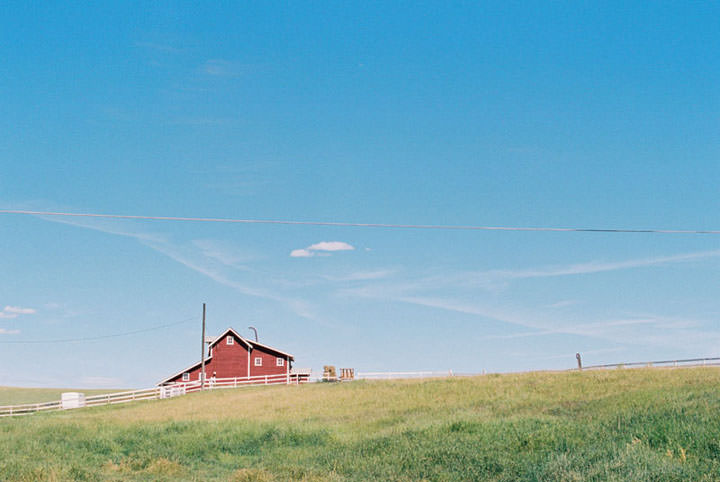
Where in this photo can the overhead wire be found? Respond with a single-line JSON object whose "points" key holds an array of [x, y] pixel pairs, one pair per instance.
{"points": [[100, 337], [364, 225]]}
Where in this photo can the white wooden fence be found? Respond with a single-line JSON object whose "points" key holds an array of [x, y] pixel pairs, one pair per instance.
{"points": [[165, 391], [400, 375], [689, 362]]}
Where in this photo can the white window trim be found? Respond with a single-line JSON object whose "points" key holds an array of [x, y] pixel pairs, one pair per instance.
{"points": [[230, 340], [279, 362], [258, 361], [186, 377]]}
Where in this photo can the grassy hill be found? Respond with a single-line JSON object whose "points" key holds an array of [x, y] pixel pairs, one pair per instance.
{"points": [[649, 424]]}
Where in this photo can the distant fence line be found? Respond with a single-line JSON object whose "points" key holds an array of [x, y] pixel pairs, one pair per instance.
{"points": [[688, 362], [165, 391], [399, 375]]}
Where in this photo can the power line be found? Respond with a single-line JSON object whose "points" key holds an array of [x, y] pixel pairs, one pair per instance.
{"points": [[364, 225], [93, 338]]}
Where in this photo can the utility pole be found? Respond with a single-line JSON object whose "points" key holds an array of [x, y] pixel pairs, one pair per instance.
{"points": [[202, 373]]}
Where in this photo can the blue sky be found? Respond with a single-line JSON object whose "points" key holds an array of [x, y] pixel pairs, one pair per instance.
{"points": [[519, 114]]}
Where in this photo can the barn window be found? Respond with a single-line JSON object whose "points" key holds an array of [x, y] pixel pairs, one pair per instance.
{"points": [[186, 377], [280, 362], [230, 340], [258, 361]]}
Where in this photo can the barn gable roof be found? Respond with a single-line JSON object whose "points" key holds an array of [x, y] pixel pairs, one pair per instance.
{"points": [[194, 365], [249, 343], [269, 348], [222, 336]]}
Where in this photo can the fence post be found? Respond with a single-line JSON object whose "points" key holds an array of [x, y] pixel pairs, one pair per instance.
{"points": [[265, 379], [579, 361]]}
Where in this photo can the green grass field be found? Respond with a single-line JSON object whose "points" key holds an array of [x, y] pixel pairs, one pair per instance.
{"points": [[16, 396], [645, 424]]}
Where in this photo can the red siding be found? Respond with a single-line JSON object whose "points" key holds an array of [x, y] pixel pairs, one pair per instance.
{"points": [[231, 361], [269, 366]]}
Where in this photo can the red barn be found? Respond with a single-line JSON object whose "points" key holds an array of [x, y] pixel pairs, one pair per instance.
{"points": [[230, 356]]}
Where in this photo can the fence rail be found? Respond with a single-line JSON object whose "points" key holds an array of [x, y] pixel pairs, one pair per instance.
{"points": [[28, 408], [165, 391], [689, 362], [401, 375]]}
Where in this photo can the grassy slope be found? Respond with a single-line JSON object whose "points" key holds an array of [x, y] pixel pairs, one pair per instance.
{"points": [[17, 396], [619, 425]]}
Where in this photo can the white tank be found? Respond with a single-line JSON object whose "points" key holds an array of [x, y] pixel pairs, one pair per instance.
{"points": [[72, 400]]}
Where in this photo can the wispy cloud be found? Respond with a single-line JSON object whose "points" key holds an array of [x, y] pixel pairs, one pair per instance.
{"points": [[203, 256], [495, 280], [3, 331], [19, 310], [362, 275], [598, 266], [645, 329], [562, 304], [10, 312], [457, 292], [321, 248], [221, 68], [524, 334], [223, 252]]}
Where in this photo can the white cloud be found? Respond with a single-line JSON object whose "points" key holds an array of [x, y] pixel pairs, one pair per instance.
{"points": [[18, 310], [321, 248], [3, 331], [10, 312], [331, 246], [301, 253]]}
